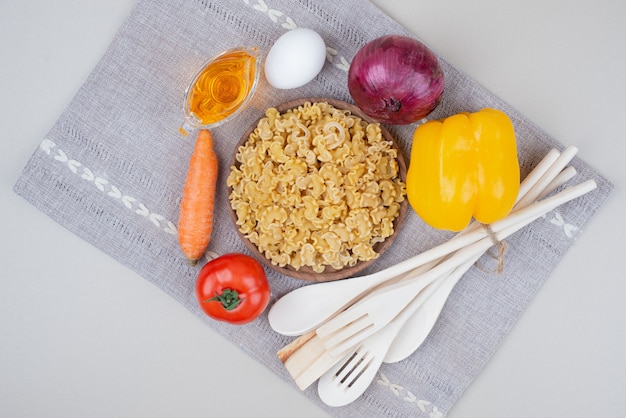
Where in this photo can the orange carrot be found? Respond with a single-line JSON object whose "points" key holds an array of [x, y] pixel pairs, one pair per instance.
{"points": [[195, 222]]}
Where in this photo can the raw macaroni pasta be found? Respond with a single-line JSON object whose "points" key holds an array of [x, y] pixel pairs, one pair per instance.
{"points": [[316, 186]]}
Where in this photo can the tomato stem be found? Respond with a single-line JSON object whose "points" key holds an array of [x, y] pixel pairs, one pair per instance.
{"points": [[229, 299]]}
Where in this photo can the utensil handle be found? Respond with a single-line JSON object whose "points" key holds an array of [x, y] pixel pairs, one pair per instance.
{"points": [[529, 212], [541, 207], [285, 353], [502, 229], [552, 172], [424, 295], [533, 177]]}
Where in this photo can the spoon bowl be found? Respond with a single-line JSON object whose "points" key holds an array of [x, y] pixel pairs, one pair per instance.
{"points": [[288, 315]]}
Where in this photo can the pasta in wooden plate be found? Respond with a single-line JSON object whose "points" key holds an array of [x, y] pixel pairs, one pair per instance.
{"points": [[316, 189]]}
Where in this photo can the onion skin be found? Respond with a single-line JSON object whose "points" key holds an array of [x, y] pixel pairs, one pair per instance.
{"points": [[396, 79]]}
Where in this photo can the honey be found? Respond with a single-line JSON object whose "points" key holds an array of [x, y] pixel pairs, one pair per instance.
{"points": [[222, 87]]}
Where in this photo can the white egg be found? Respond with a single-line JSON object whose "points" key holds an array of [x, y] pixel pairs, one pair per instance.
{"points": [[295, 59]]}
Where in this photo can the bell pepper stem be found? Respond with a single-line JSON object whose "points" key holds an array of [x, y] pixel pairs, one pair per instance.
{"points": [[229, 299]]}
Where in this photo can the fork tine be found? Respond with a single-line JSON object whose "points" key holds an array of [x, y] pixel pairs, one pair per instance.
{"points": [[352, 340], [347, 331], [339, 321]]}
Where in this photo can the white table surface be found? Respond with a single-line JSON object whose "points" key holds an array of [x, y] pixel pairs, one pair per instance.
{"points": [[82, 336]]}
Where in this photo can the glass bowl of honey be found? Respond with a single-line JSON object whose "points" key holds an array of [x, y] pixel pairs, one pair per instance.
{"points": [[221, 89]]}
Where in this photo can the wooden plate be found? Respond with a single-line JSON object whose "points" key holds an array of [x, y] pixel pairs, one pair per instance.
{"points": [[305, 272]]}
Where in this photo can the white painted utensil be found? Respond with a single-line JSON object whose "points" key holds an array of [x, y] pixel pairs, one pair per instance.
{"points": [[416, 329], [309, 356], [419, 325], [375, 311], [307, 307], [349, 378]]}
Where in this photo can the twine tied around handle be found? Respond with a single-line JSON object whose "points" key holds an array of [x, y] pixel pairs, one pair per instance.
{"points": [[502, 247]]}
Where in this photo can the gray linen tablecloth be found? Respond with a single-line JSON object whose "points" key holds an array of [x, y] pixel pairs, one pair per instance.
{"points": [[109, 170]]}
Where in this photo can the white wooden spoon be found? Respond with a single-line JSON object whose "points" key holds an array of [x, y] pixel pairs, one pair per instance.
{"points": [[370, 314], [305, 308], [417, 328], [349, 378]]}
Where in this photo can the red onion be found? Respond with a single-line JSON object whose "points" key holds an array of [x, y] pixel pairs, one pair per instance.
{"points": [[396, 79]]}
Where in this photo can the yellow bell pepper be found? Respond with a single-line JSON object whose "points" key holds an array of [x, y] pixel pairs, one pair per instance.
{"points": [[464, 166]]}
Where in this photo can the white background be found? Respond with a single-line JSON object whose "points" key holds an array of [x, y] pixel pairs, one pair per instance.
{"points": [[82, 336]]}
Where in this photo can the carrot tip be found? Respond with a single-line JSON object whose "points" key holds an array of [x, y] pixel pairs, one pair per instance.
{"points": [[192, 262]]}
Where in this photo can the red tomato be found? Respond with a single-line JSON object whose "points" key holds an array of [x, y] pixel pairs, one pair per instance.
{"points": [[233, 288]]}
